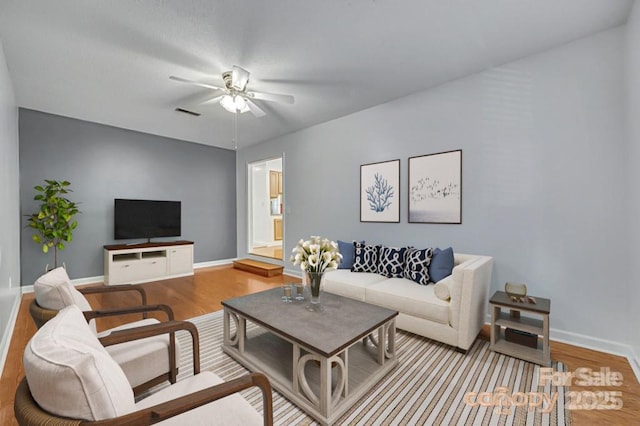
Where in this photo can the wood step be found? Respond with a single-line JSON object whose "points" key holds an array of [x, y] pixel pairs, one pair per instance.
{"points": [[258, 268]]}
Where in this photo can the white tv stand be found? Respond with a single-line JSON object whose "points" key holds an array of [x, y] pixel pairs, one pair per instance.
{"points": [[138, 263]]}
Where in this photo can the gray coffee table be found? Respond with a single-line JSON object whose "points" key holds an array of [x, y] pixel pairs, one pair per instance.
{"points": [[320, 361]]}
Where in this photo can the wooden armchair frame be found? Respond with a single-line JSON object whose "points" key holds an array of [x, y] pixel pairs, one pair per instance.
{"points": [[41, 315], [28, 413]]}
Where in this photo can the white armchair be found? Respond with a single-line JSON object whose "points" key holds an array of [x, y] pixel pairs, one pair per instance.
{"points": [[71, 379], [145, 362]]}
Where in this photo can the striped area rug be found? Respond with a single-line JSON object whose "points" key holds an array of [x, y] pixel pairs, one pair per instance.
{"points": [[427, 388]]}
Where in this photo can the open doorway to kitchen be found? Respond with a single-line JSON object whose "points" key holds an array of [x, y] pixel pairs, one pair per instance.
{"points": [[265, 208]]}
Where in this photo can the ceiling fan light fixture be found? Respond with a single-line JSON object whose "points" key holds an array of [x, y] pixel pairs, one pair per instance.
{"points": [[234, 103]]}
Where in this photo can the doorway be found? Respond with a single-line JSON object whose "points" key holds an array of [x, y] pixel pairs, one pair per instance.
{"points": [[266, 221]]}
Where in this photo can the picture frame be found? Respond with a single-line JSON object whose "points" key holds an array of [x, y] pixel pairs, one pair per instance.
{"points": [[380, 192], [435, 188]]}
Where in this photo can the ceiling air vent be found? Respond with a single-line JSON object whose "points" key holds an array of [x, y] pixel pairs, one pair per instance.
{"points": [[186, 111]]}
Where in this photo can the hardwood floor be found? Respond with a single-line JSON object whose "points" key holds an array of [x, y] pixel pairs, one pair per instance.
{"points": [[273, 252], [204, 292]]}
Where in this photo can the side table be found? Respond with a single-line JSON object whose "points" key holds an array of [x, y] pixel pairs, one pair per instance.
{"points": [[540, 327]]}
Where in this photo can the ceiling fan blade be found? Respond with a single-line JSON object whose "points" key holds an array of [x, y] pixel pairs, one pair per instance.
{"points": [[213, 100], [195, 83], [255, 109], [272, 97], [239, 78]]}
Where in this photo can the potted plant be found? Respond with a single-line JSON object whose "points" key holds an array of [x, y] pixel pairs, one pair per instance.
{"points": [[53, 222]]}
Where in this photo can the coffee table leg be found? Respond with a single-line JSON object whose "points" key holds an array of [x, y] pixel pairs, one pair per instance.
{"points": [[296, 360], [382, 344], [242, 333], [325, 386], [327, 399], [391, 338], [230, 340], [345, 370]]}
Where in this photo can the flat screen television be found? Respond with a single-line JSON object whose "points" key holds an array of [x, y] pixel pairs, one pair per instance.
{"points": [[146, 219]]}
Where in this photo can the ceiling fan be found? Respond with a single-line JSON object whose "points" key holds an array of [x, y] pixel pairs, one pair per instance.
{"points": [[235, 97]]}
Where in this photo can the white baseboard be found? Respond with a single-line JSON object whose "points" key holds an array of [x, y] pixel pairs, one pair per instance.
{"points": [[634, 360], [214, 263], [293, 272], [8, 332]]}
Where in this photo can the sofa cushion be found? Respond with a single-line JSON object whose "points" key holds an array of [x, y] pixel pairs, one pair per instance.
{"points": [[391, 261], [365, 258], [70, 373], [441, 264], [348, 284], [347, 250], [141, 359], [231, 410], [409, 298], [417, 265]]}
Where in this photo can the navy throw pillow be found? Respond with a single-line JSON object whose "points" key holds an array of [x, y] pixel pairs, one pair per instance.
{"points": [[417, 265], [441, 264], [347, 250], [391, 261], [365, 258]]}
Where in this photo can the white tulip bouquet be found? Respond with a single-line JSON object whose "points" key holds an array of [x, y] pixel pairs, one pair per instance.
{"points": [[316, 255]]}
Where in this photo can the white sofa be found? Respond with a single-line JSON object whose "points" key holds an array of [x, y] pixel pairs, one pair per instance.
{"points": [[456, 321]]}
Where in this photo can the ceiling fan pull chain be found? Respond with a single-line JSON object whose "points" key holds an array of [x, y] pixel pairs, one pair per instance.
{"points": [[235, 130]]}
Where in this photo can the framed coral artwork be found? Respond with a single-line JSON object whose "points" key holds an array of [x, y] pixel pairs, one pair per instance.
{"points": [[380, 192], [435, 188]]}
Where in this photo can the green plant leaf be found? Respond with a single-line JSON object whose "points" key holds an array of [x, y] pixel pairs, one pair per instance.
{"points": [[54, 220]]}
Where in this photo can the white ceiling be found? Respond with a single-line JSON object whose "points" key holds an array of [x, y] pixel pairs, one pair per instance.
{"points": [[109, 61]]}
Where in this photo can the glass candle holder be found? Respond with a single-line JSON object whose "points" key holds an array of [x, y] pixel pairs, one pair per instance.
{"points": [[299, 291], [287, 293]]}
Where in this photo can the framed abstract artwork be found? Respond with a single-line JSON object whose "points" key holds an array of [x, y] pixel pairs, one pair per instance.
{"points": [[380, 192], [435, 188]]}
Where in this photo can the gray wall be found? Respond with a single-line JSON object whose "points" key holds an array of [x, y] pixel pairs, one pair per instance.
{"points": [[633, 126], [103, 163], [544, 177], [9, 205]]}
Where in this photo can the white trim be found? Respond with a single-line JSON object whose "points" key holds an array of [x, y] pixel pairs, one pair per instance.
{"points": [[214, 263], [88, 280], [634, 360], [596, 344], [293, 273], [8, 332]]}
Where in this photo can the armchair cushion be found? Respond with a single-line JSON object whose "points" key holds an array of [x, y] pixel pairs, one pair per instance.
{"points": [[231, 410], [70, 373], [54, 291], [142, 358]]}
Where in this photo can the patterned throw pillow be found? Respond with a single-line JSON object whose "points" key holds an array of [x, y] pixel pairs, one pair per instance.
{"points": [[347, 250], [365, 258], [391, 262], [417, 265]]}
